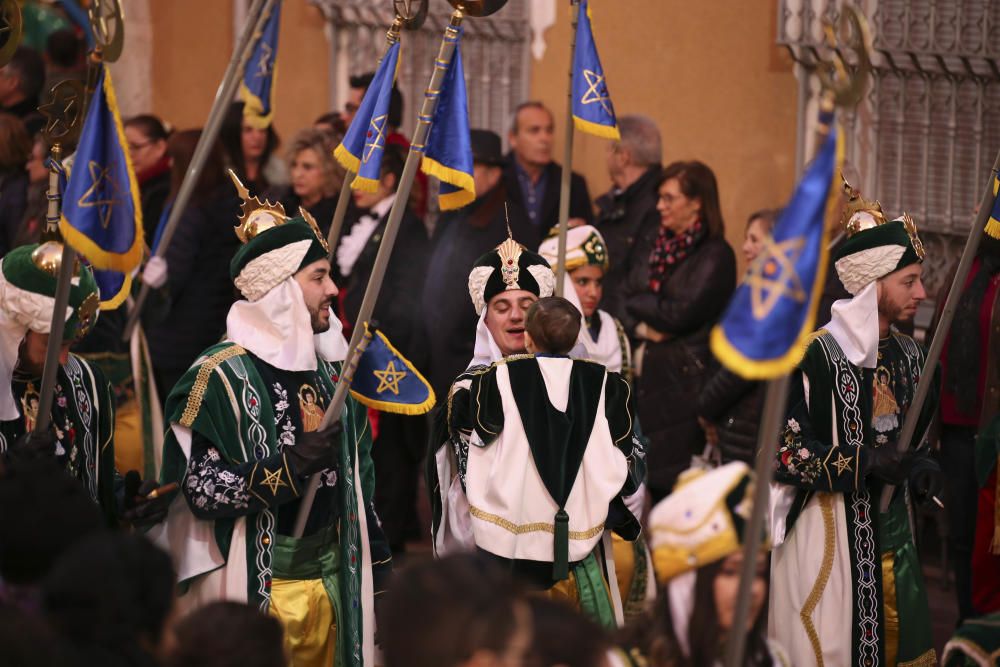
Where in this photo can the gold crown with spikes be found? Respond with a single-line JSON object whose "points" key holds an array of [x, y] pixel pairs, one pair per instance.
{"points": [[856, 204], [311, 221], [256, 216]]}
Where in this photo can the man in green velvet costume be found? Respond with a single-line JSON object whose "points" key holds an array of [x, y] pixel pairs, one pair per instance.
{"points": [[81, 435], [243, 442], [846, 586]]}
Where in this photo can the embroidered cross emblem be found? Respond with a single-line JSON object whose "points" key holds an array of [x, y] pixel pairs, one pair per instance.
{"points": [[842, 463], [273, 481], [103, 193], [375, 139], [772, 276], [597, 91], [388, 380]]}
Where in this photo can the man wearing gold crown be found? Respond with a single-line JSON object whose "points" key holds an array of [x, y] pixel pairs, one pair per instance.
{"points": [[83, 406], [492, 473], [846, 584], [243, 442]]}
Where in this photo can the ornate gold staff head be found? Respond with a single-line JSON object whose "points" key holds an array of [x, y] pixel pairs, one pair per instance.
{"points": [[842, 87], [410, 13], [256, 216], [108, 24], [478, 8], [10, 29], [63, 111]]}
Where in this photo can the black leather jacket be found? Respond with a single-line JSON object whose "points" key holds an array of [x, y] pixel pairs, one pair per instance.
{"points": [[734, 406]]}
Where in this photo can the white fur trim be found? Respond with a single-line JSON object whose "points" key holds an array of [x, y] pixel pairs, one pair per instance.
{"points": [[858, 270], [266, 272], [477, 286], [29, 309], [545, 278]]}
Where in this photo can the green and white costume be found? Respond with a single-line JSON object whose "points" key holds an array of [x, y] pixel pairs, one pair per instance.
{"points": [[231, 417], [846, 586], [83, 406]]}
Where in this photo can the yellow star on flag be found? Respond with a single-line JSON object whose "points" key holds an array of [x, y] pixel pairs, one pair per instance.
{"points": [[772, 275], [376, 136], [388, 380], [596, 92], [265, 63], [102, 193]]}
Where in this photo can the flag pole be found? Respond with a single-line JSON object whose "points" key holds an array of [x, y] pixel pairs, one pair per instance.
{"points": [[908, 431], [567, 166], [420, 134], [256, 18], [52, 241], [839, 89]]}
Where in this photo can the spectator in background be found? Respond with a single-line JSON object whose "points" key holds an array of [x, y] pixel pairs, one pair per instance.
{"points": [[332, 123], [729, 407], [316, 176], [533, 178], [109, 598], [627, 217], [21, 82], [692, 274], [249, 151], [147, 146], [37, 204], [460, 238], [15, 149], [562, 637], [64, 52], [198, 290], [459, 610], [227, 634]]}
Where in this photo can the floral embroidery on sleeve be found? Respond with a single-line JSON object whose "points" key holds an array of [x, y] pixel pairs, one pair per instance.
{"points": [[794, 458]]}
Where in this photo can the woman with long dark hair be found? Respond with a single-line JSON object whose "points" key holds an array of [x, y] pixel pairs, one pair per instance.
{"points": [[692, 274], [698, 558], [249, 151]]}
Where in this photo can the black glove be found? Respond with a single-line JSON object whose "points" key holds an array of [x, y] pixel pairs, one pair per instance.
{"points": [[926, 479], [33, 445], [315, 451], [141, 510], [888, 464]]}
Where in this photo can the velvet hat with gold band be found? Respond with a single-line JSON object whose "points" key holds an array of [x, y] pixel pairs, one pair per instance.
{"points": [[28, 277], [509, 266], [702, 520], [584, 247], [274, 247], [875, 247]]}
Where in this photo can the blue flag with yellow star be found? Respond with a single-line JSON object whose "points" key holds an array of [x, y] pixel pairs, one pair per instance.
{"points": [[386, 380], [592, 109], [257, 87], [101, 212], [362, 147], [767, 325], [448, 153]]}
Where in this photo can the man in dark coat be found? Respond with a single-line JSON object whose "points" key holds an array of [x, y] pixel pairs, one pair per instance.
{"points": [[461, 237], [627, 216], [533, 179]]}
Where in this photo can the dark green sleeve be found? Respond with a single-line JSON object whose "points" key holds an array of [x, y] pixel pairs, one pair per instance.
{"points": [[377, 542], [105, 399], [618, 411], [485, 406]]}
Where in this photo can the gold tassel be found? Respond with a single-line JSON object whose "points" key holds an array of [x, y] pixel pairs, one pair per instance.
{"points": [[993, 228]]}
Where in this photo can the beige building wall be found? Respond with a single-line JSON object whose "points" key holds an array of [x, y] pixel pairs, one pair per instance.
{"points": [[708, 73], [192, 44]]}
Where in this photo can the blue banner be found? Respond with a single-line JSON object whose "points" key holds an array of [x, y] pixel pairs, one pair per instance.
{"points": [[257, 87], [592, 109], [767, 325], [386, 380], [101, 212], [448, 153]]}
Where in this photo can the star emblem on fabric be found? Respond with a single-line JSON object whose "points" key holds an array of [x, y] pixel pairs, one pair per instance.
{"points": [[103, 193], [842, 463], [375, 139], [597, 91], [273, 481], [388, 379], [772, 275], [62, 109], [266, 62]]}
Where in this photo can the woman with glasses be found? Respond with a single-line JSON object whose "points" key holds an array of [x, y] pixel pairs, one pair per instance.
{"points": [[147, 147]]}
